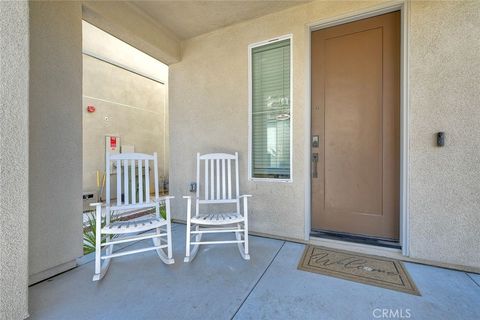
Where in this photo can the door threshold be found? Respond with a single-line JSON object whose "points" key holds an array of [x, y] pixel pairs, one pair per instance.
{"points": [[386, 243]]}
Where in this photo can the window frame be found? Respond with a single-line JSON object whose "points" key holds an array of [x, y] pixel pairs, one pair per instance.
{"points": [[250, 107]]}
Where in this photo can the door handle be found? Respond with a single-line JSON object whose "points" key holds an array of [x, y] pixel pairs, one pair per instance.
{"points": [[314, 165]]}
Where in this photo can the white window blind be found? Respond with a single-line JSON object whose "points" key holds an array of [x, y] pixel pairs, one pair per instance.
{"points": [[270, 154]]}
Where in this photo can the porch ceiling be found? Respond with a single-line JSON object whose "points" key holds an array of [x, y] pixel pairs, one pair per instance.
{"points": [[187, 19]]}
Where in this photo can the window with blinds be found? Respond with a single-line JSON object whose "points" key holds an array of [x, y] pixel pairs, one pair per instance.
{"points": [[271, 107]]}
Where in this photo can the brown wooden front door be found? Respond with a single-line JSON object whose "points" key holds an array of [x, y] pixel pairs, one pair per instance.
{"points": [[355, 114]]}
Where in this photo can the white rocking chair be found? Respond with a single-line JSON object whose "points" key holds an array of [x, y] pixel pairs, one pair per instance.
{"points": [[219, 188], [129, 167]]}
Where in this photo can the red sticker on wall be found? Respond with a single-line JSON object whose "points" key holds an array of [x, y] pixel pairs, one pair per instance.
{"points": [[91, 109], [113, 142]]}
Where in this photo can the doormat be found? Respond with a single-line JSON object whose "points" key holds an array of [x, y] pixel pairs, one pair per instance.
{"points": [[373, 270]]}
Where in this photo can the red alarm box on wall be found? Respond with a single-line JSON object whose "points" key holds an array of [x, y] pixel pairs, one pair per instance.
{"points": [[112, 146]]}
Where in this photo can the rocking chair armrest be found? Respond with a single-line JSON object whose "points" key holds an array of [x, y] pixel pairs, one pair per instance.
{"points": [[245, 196], [190, 197], [97, 204], [163, 198]]}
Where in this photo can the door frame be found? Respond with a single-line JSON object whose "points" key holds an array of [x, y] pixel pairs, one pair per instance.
{"points": [[401, 6]]}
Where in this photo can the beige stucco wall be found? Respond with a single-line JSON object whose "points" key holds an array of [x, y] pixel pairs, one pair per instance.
{"points": [[55, 236], [14, 160], [209, 112], [133, 26], [55, 228], [100, 44], [127, 105], [445, 96]]}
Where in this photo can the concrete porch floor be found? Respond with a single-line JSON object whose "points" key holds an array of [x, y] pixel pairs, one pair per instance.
{"points": [[218, 284]]}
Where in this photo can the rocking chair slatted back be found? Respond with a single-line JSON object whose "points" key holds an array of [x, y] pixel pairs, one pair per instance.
{"points": [[131, 167], [220, 185]]}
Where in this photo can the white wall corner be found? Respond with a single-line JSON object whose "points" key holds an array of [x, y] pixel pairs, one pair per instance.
{"points": [[134, 27], [14, 63]]}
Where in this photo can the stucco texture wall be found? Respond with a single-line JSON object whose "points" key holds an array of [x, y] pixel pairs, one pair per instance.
{"points": [[14, 160], [129, 24], [127, 105], [209, 113], [55, 188], [445, 96]]}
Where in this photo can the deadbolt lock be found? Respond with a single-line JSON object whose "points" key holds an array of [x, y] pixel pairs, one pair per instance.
{"points": [[315, 141]]}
